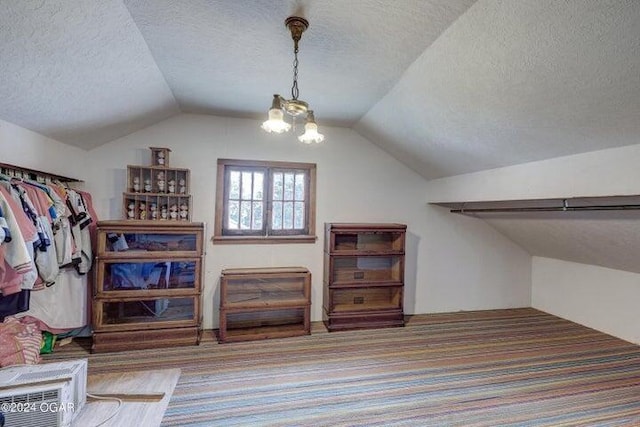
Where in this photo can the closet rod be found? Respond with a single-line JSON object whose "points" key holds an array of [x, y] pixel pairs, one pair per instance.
{"points": [[548, 209], [34, 174]]}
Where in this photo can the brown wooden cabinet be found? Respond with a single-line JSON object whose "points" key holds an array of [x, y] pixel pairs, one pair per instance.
{"points": [[147, 285], [363, 275], [259, 303]]}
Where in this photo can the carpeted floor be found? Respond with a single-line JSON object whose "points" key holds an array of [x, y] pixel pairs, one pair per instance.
{"points": [[492, 368]]}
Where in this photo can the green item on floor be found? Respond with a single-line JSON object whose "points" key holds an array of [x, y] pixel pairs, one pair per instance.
{"points": [[48, 341]]}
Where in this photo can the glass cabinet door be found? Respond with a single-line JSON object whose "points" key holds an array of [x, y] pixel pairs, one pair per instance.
{"points": [[263, 291], [139, 243], [146, 311], [169, 276], [373, 298], [387, 241], [258, 319], [354, 269]]}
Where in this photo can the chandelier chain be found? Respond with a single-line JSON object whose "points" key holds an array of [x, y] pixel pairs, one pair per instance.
{"points": [[294, 88], [293, 107]]}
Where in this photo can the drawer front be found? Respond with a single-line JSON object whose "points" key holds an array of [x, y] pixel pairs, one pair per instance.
{"points": [[122, 277], [367, 269], [145, 313]]}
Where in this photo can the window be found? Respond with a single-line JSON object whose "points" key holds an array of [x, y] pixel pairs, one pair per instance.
{"points": [[261, 201]]}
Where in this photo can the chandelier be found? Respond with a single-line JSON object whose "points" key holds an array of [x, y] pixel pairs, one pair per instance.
{"points": [[294, 107]]}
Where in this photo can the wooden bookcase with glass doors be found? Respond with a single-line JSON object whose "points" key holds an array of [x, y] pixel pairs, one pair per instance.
{"points": [[363, 275], [147, 285], [260, 303]]}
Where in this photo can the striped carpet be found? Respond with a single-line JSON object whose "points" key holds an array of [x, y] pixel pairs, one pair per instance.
{"points": [[493, 368]]}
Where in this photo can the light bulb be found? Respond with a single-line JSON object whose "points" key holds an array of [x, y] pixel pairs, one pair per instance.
{"points": [[276, 122], [311, 131]]}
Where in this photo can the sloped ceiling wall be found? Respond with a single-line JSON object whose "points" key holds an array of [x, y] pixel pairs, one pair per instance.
{"points": [[607, 238], [511, 82], [79, 72], [603, 238]]}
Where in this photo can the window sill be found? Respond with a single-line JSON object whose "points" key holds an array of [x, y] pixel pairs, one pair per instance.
{"points": [[250, 240]]}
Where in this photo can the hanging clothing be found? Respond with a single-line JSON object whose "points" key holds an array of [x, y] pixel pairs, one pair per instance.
{"points": [[80, 231], [14, 304], [65, 305], [18, 254], [46, 252]]}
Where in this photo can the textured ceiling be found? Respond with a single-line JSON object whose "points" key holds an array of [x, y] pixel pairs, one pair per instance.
{"points": [[516, 81], [86, 72], [228, 57], [445, 86], [78, 71]]}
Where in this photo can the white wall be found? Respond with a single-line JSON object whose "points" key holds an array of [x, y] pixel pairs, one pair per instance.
{"points": [[600, 173], [356, 182], [471, 266], [607, 299], [22, 147]]}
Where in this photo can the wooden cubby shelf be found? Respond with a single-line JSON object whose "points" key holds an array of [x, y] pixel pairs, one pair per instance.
{"points": [[157, 192]]}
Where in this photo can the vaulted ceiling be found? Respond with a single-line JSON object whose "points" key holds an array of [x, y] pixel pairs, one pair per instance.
{"points": [[445, 86]]}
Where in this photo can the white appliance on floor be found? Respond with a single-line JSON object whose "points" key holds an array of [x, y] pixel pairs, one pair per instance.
{"points": [[49, 394]]}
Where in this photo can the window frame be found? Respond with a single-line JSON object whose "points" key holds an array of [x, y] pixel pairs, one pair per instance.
{"points": [[268, 235]]}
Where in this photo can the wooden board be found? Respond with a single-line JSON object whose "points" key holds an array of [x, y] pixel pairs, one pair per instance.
{"points": [[132, 413]]}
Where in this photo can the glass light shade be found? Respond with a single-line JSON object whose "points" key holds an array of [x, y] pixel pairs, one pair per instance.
{"points": [[276, 122], [311, 134]]}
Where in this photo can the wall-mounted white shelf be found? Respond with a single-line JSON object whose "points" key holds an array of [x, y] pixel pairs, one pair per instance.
{"points": [[597, 203]]}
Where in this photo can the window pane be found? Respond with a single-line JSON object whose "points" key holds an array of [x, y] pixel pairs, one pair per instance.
{"points": [[288, 186], [234, 185], [245, 215], [233, 215], [262, 199], [277, 186], [247, 186], [299, 190], [258, 185], [287, 221], [256, 223], [298, 217], [276, 216]]}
